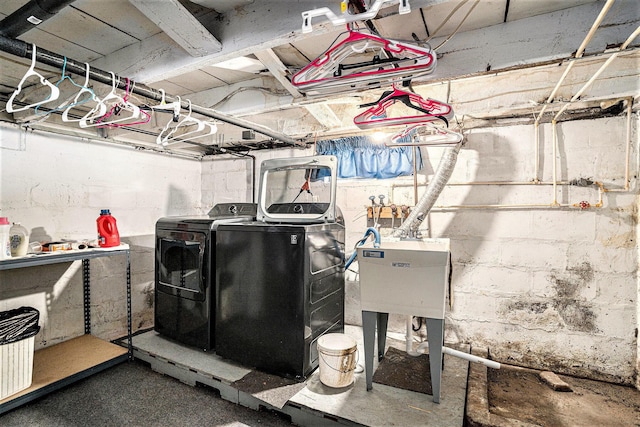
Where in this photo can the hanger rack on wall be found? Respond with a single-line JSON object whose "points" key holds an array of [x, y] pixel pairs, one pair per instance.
{"points": [[25, 50]]}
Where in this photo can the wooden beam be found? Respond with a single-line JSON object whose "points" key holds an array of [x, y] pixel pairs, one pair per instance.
{"points": [[264, 25], [324, 115], [278, 69], [179, 24]]}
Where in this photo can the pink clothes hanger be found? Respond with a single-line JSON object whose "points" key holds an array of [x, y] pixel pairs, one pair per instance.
{"points": [[428, 109], [125, 105], [391, 61]]}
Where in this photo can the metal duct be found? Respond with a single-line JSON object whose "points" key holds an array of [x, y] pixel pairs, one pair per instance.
{"points": [[442, 175], [43, 56], [30, 15]]}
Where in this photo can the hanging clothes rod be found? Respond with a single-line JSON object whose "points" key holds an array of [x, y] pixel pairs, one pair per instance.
{"points": [[43, 56]]}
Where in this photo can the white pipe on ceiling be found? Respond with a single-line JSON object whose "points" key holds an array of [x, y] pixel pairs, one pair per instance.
{"points": [[600, 70], [579, 53]]}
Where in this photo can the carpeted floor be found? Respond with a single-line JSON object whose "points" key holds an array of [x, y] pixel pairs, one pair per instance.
{"points": [[131, 394]]}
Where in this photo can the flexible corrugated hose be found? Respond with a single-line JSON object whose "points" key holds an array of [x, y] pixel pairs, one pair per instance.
{"points": [[442, 175]]}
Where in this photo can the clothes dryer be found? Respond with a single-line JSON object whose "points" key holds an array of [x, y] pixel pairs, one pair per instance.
{"points": [[185, 264]]}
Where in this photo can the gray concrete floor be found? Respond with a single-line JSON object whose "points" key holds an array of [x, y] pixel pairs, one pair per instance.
{"points": [[191, 387], [314, 403], [131, 394]]}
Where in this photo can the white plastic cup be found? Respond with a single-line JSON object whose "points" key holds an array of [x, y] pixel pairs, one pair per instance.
{"points": [[35, 247]]}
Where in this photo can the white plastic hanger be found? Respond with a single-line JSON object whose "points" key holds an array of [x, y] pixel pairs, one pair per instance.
{"points": [[174, 106], [110, 120], [347, 18], [88, 120], [55, 92], [168, 132], [425, 134], [84, 89], [191, 135]]}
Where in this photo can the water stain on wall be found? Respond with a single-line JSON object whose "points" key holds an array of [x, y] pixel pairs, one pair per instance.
{"points": [[531, 313], [144, 318], [625, 240], [565, 309], [576, 313], [533, 307]]}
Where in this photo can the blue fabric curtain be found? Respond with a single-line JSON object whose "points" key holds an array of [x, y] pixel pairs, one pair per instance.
{"points": [[359, 157]]}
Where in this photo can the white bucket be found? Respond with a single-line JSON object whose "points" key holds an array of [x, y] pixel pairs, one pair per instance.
{"points": [[337, 354]]}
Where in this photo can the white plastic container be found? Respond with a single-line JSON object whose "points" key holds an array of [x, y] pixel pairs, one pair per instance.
{"points": [[16, 366], [19, 239], [5, 244], [338, 359]]}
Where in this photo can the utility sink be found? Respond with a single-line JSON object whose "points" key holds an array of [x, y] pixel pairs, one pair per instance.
{"points": [[406, 277]]}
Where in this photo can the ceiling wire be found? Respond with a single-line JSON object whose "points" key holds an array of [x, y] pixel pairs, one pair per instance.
{"points": [[459, 25], [244, 89], [455, 9]]}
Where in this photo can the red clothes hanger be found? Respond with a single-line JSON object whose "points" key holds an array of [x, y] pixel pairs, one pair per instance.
{"points": [[429, 110], [391, 61]]}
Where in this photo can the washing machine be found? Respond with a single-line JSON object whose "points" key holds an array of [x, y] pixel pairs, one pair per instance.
{"points": [[185, 266], [280, 279]]}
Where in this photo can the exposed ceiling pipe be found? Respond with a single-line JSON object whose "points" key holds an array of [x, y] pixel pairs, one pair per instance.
{"points": [[31, 14], [593, 78], [43, 56], [579, 53]]}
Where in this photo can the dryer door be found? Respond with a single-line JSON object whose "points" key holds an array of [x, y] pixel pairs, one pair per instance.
{"points": [[181, 263]]}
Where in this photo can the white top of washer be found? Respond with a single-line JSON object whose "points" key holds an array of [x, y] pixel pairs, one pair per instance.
{"points": [[299, 190]]}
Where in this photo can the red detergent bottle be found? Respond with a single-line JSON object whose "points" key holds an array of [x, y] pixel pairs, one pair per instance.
{"points": [[107, 230]]}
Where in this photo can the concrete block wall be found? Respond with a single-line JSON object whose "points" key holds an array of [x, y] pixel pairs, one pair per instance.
{"points": [[551, 287], [227, 178], [542, 286], [55, 186]]}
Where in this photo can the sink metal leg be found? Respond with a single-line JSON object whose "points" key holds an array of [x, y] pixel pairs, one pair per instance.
{"points": [[435, 336], [369, 319], [383, 321]]}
